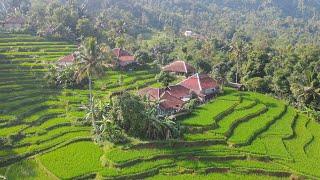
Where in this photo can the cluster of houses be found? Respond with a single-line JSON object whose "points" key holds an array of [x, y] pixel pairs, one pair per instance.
{"points": [[124, 59], [173, 98]]}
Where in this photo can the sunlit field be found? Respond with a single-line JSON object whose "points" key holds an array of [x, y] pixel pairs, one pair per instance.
{"points": [[239, 135]]}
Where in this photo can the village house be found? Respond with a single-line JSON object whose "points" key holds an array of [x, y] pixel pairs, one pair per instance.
{"points": [[66, 60], [13, 23], [202, 85], [194, 35], [173, 98], [239, 87], [180, 68], [124, 58], [188, 33]]}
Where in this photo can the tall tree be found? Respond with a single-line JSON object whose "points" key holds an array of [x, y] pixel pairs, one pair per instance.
{"points": [[90, 64], [165, 78], [238, 49], [142, 57], [85, 28], [307, 91], [220, 72]]}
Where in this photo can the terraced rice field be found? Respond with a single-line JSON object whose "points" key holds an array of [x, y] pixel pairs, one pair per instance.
{"points": [[239, 135]]}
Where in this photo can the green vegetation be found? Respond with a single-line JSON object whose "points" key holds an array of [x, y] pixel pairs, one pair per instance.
{"points": [[206, 116], [279, 56], [67, 161], [214, 176], [236, 135], [28, 169]]}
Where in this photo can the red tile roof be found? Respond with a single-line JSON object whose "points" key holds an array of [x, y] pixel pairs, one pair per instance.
{"points": [[167, 98], [179, 67], [170, 102], [192, 83], [152, 93], [125, 60], [172, 96], [118, 52], [178, 91], [124, 57], [207, 82], [199, 83], [67, 59]]}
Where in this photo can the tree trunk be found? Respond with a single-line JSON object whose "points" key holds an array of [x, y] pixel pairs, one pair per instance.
{"points": [[91, 104], [222, 84], [237, 71]]}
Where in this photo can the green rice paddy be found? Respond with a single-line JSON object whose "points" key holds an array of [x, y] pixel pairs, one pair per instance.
{"points": [[239, 135]]}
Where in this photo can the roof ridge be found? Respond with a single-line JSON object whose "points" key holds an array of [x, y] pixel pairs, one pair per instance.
{"points": [[186, 79], [171, 95], [185, 66], [199, 81], [67, 56]]}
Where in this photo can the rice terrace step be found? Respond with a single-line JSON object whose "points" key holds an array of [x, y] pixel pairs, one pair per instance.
{"points": [[237, 135]]}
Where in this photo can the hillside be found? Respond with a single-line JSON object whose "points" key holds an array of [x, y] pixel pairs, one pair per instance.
{"points": [[238, 135], [297, 20]]}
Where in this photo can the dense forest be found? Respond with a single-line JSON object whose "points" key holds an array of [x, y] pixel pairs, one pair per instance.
{"points": [[291, 21], [270, 46]]}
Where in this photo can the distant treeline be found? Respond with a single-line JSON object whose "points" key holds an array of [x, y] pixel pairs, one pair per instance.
{"points": [[271, 46], [292, 20]]}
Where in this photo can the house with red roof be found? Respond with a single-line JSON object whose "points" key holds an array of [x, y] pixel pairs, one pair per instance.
{"points": [[67, 60], [124, 57], [171, 99], [153, 94], [202, 85], [180, 92], [180, 67], [170, 104]]}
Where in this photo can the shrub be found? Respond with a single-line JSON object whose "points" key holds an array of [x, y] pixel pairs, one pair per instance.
{"points": [[112, 133], [191, 105], [143, 57], [13, 138], [3, 141], [140, 119], [165, 78], [64, 78], [258, 84]]}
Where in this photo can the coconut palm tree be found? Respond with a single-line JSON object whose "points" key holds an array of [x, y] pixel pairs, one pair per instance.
{"points": [[156, 127], [220, 72], [307, 92], [310, 91], [238, 51], [90, 63]]}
